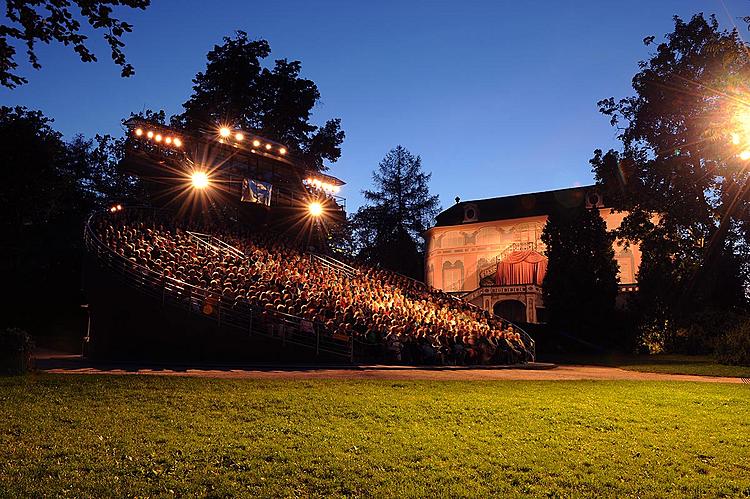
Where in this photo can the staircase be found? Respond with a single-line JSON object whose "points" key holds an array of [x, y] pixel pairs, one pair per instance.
{"points": [[491, 269]]}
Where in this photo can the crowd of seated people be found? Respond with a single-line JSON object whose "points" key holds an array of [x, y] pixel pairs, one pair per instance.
{"points": [[389, 316]]}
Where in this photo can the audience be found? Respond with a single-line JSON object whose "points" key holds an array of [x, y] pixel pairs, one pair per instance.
{"points": [[387, 315]]}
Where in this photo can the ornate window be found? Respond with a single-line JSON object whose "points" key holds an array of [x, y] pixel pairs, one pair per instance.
{"points": [[453, 276], [453, 239]]}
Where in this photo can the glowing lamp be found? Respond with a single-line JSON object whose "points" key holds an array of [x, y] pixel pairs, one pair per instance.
{"points": [[315, 209], [199, 180], [113, 209], [150, 134], [282, 151], [119, 207], [256, 143], [736, 139], [268, 147], [138, 132], [745, 155], [225, 132], [239, 137], [177, 142], [157, 137], [168, 140]]}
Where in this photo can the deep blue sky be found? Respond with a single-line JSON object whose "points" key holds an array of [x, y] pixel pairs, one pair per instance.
{"points": [[497, 97]]}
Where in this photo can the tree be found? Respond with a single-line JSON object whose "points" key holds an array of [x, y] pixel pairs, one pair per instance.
{"points": [[277, 103], [680, 174], [47, 189], [53, 21], [388, 230], [33, 186], [580, 286]]}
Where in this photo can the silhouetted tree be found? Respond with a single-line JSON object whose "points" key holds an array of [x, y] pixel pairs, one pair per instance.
{"points": [[275, 102], [388, 230], [580, 286], [47, 188], [680, 175], [46, 21]]}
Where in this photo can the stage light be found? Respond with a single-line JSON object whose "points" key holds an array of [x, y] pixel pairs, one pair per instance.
{"points": [[199, 180], [745, 155], [256, 143], [268, 147], [282, 151], [150, 134], [225, 132], [239, 137], [138, 132], [315, 209], [168, 140], [177, 142], [157, 137]]}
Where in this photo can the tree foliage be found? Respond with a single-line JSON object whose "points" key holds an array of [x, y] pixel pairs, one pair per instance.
{"points": [[46, 21], [388, 230], [679, 174], [276, 102], [47, 189], [580, 286]]}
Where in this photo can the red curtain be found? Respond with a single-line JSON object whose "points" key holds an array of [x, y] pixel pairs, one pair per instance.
{"points": [[521, 267]]}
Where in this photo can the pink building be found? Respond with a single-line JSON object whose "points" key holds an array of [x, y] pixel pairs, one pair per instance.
{"points": [[490, 252]]}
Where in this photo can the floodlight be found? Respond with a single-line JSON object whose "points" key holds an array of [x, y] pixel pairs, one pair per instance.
{"points": [[225, 132], [315, 209], [199, 179]]}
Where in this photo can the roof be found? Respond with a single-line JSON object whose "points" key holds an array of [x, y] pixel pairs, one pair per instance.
{"points": [[518, 206]]}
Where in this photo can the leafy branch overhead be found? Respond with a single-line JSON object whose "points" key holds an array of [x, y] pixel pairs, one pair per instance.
{"points": [[47, 21]]}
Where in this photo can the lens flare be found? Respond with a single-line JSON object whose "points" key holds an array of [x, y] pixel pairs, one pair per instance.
{"points": [[315, 209], [199, 180]]}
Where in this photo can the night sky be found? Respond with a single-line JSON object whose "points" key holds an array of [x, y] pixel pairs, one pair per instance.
{"points": [[497, 97]]}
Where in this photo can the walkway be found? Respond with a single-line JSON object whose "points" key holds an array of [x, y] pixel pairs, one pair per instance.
{"points": [[73, 364]]}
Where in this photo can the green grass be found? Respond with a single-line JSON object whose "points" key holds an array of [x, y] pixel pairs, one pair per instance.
{"points": [[97, 436], [701, 365]]}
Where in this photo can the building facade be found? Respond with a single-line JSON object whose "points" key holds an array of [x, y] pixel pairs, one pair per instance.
{"points": [[490, 251]]}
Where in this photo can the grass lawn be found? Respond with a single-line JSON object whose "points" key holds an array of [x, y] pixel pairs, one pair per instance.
{"points": [[99, 436]]}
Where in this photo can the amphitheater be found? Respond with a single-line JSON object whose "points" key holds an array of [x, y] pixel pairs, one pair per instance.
{"points": [[180, 290]]}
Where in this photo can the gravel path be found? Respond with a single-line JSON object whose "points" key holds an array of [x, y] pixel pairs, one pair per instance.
{"points": [[73, 365]]}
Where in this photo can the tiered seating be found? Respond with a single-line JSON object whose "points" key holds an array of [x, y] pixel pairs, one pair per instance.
{"points": [[386, 315]]}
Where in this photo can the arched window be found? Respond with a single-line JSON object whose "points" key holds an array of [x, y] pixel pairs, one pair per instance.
{"points": [[488, 236], [453, 239], [527, 232], [626, 262], [453, 276]]}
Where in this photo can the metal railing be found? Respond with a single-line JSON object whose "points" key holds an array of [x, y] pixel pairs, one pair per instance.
{"points": [[335, 265], [226, 312], [526, 337], [215, 243], [491, 268]]}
